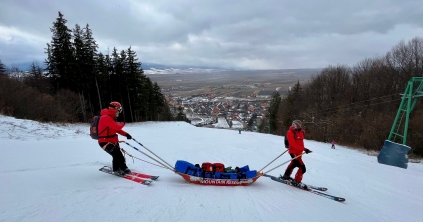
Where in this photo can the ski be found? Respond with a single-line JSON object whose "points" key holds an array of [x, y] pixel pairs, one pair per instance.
{"points": [[311, 189], [289, 183], [144, 175], [134, 178]]}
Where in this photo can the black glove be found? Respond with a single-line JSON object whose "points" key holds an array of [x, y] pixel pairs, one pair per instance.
{"points": [[129, 137], [307, 151]]}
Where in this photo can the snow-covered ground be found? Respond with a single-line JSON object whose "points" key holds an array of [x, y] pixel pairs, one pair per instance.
{"points": [[49, 172], [221, 123], [237, 124]]}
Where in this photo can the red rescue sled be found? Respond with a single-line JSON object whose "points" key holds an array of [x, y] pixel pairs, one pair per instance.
{"points": [[218, 182]]}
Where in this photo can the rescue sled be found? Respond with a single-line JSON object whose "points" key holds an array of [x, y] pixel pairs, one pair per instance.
{"points": [[215, 174]]}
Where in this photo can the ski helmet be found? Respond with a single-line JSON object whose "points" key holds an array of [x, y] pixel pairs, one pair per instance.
{"points": [[117, 106]]}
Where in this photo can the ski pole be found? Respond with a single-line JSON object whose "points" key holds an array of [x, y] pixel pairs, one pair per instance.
{"points": [[285, 162], [273, 160], [147, 155], [153, 153]]}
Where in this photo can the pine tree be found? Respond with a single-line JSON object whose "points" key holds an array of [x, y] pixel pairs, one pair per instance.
{"points": [[297, 91], [147, 98], [292, 104], [89, 65], [159, 100], [181, 116], [2, 68], [100, 78], [60, 55], [79, 61], [35, 78], [48, 63], [73, 63], [273, 111], [115, 76], [137, 86], [109, 75]]}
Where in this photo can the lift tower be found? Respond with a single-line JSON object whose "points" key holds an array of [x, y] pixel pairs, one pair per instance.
{"points": [[395, 149]]}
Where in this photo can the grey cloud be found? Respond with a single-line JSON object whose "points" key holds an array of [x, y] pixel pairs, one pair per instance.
{"points": [[284, 34]]}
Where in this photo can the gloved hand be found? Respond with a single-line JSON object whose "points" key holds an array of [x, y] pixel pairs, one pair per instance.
{"points": [[307, 151], [129, 137]]}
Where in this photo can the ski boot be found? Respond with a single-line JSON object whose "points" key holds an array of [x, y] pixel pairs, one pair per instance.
{"points": [[301, 186], [119, 173], [285, 177]]}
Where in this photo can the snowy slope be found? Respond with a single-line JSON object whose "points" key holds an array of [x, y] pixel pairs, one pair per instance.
{"points": [[49, 172], [221, 123]]}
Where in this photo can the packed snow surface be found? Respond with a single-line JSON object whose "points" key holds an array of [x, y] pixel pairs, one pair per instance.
{"points": [[49, 172]]}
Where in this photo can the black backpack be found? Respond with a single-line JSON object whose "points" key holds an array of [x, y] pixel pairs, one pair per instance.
{"points": [[295, 137], [94, 127]]}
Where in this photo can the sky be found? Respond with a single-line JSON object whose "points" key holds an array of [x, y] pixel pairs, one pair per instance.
{"points": [[49, 172], [270, 34]]}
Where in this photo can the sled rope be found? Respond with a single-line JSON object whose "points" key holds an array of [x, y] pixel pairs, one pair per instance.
{"points": [[272, 161], [126, 153], [148, 156], [284, 163], [154, 154]]}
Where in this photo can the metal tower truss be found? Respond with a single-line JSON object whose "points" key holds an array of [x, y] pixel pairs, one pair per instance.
{"points": [[409, 99], [395, 150]]}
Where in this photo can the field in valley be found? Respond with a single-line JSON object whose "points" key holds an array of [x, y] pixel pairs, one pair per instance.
{"points": [[234, 83]]}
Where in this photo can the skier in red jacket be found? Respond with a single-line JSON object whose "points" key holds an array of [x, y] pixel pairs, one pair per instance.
{"points": [[108, 139], [296, 147]]}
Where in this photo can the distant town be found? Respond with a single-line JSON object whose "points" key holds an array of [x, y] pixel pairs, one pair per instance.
{"points": [[208, 110], [229, 99]]}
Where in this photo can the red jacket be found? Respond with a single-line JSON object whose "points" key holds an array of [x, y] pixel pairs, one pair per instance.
{"points": [[109, 127], [296, 145]]}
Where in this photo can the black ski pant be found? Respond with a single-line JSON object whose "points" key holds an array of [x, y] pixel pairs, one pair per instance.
{"points": [[118, 161]]}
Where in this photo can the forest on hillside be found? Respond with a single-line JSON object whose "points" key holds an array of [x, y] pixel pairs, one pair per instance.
{"points": [[79, 81], [356, 106]]}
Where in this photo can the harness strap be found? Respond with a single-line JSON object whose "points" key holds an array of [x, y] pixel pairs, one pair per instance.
{"points": [[107, 136], [104, 147], [110, 136]]}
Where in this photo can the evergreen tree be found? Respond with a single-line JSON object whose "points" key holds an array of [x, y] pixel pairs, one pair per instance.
{"points": [[159, 100], [109, 73], [89, 66], [297, 91], [273, 111], [100, 79], [116, 75], [2, 68], [147, 98], [60, 55], [123, 84], [250, 124], [73, 63], [48, 63], [181, 115], [79, 57], [293, 104], [139, 88], [36, 79]]}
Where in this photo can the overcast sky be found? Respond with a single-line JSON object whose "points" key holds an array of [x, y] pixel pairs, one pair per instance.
{"points": [[274, 34]]}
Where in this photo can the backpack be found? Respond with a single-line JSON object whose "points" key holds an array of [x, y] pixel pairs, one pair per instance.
{"points": [[295, 136], [218, 167], [94, 127]]}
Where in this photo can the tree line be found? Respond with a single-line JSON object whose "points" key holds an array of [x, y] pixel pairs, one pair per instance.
{"points": [[355, 106], [78, 81]]}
